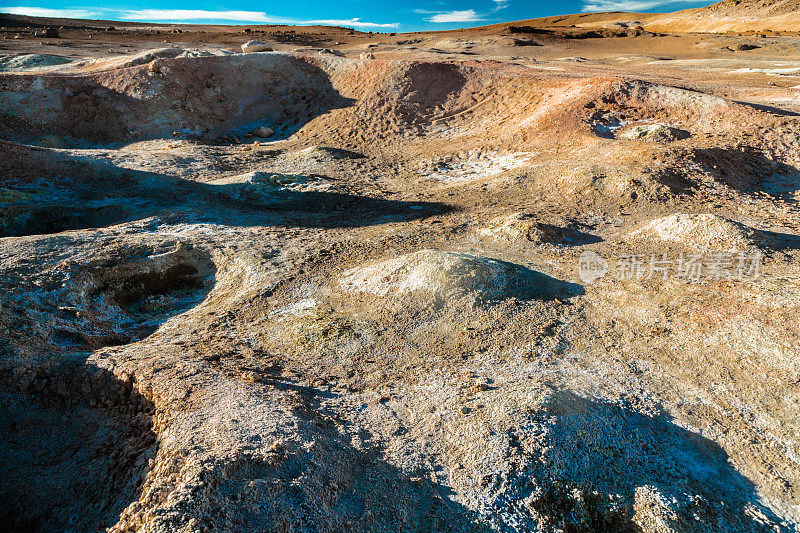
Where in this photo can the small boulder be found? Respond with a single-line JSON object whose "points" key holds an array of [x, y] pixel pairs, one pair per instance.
{"points": [[331, 51], [156, 67], [263, 132], [255, 46], [444, 274], [49, 33], [366, 56]]}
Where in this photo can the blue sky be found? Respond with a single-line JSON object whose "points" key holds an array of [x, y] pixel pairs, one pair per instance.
{"points": [[366, 15]]}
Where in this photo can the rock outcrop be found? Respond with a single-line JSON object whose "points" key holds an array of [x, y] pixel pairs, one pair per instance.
{"points": [[255, 46]]}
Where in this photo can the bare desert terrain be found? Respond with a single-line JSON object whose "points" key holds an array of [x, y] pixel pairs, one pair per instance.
{"points": [[535, 276]]}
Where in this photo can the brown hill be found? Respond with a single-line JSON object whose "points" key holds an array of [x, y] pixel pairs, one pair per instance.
{"points": [[737, 16], [733, 15]]}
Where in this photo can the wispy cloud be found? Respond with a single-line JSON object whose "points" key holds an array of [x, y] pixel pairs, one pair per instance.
{"points": [[52, 13], [356, 23], [186, 15], [628, 5], [198, 14], [501, 4], [241, 16], [468, 15]]}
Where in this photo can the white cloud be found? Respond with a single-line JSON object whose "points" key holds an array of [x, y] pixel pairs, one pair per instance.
{"points": [[627, 5], [198, 14], [241, 16], [468, 15], [501, 4], [356, 22], [52, 13]]}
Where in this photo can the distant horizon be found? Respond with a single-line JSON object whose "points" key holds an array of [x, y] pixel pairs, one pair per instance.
{"points": [[390, 16]]}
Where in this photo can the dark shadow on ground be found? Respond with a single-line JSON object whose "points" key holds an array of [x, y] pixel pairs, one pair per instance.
{"points": [[771, 240], [530, 284], [770, 109], [44, 192], [530, 30], [76, 441], [599, 460], [749, 170], [781, 241], [676, 180]]}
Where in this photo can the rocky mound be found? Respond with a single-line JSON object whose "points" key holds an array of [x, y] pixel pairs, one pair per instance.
{"points": [[445, 274], [270, 188], [255, 46], [448, 276], [522, 227], [703, 231]]}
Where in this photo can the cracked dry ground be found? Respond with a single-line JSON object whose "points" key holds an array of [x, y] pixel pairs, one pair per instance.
{"points": [[373, 320]]}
